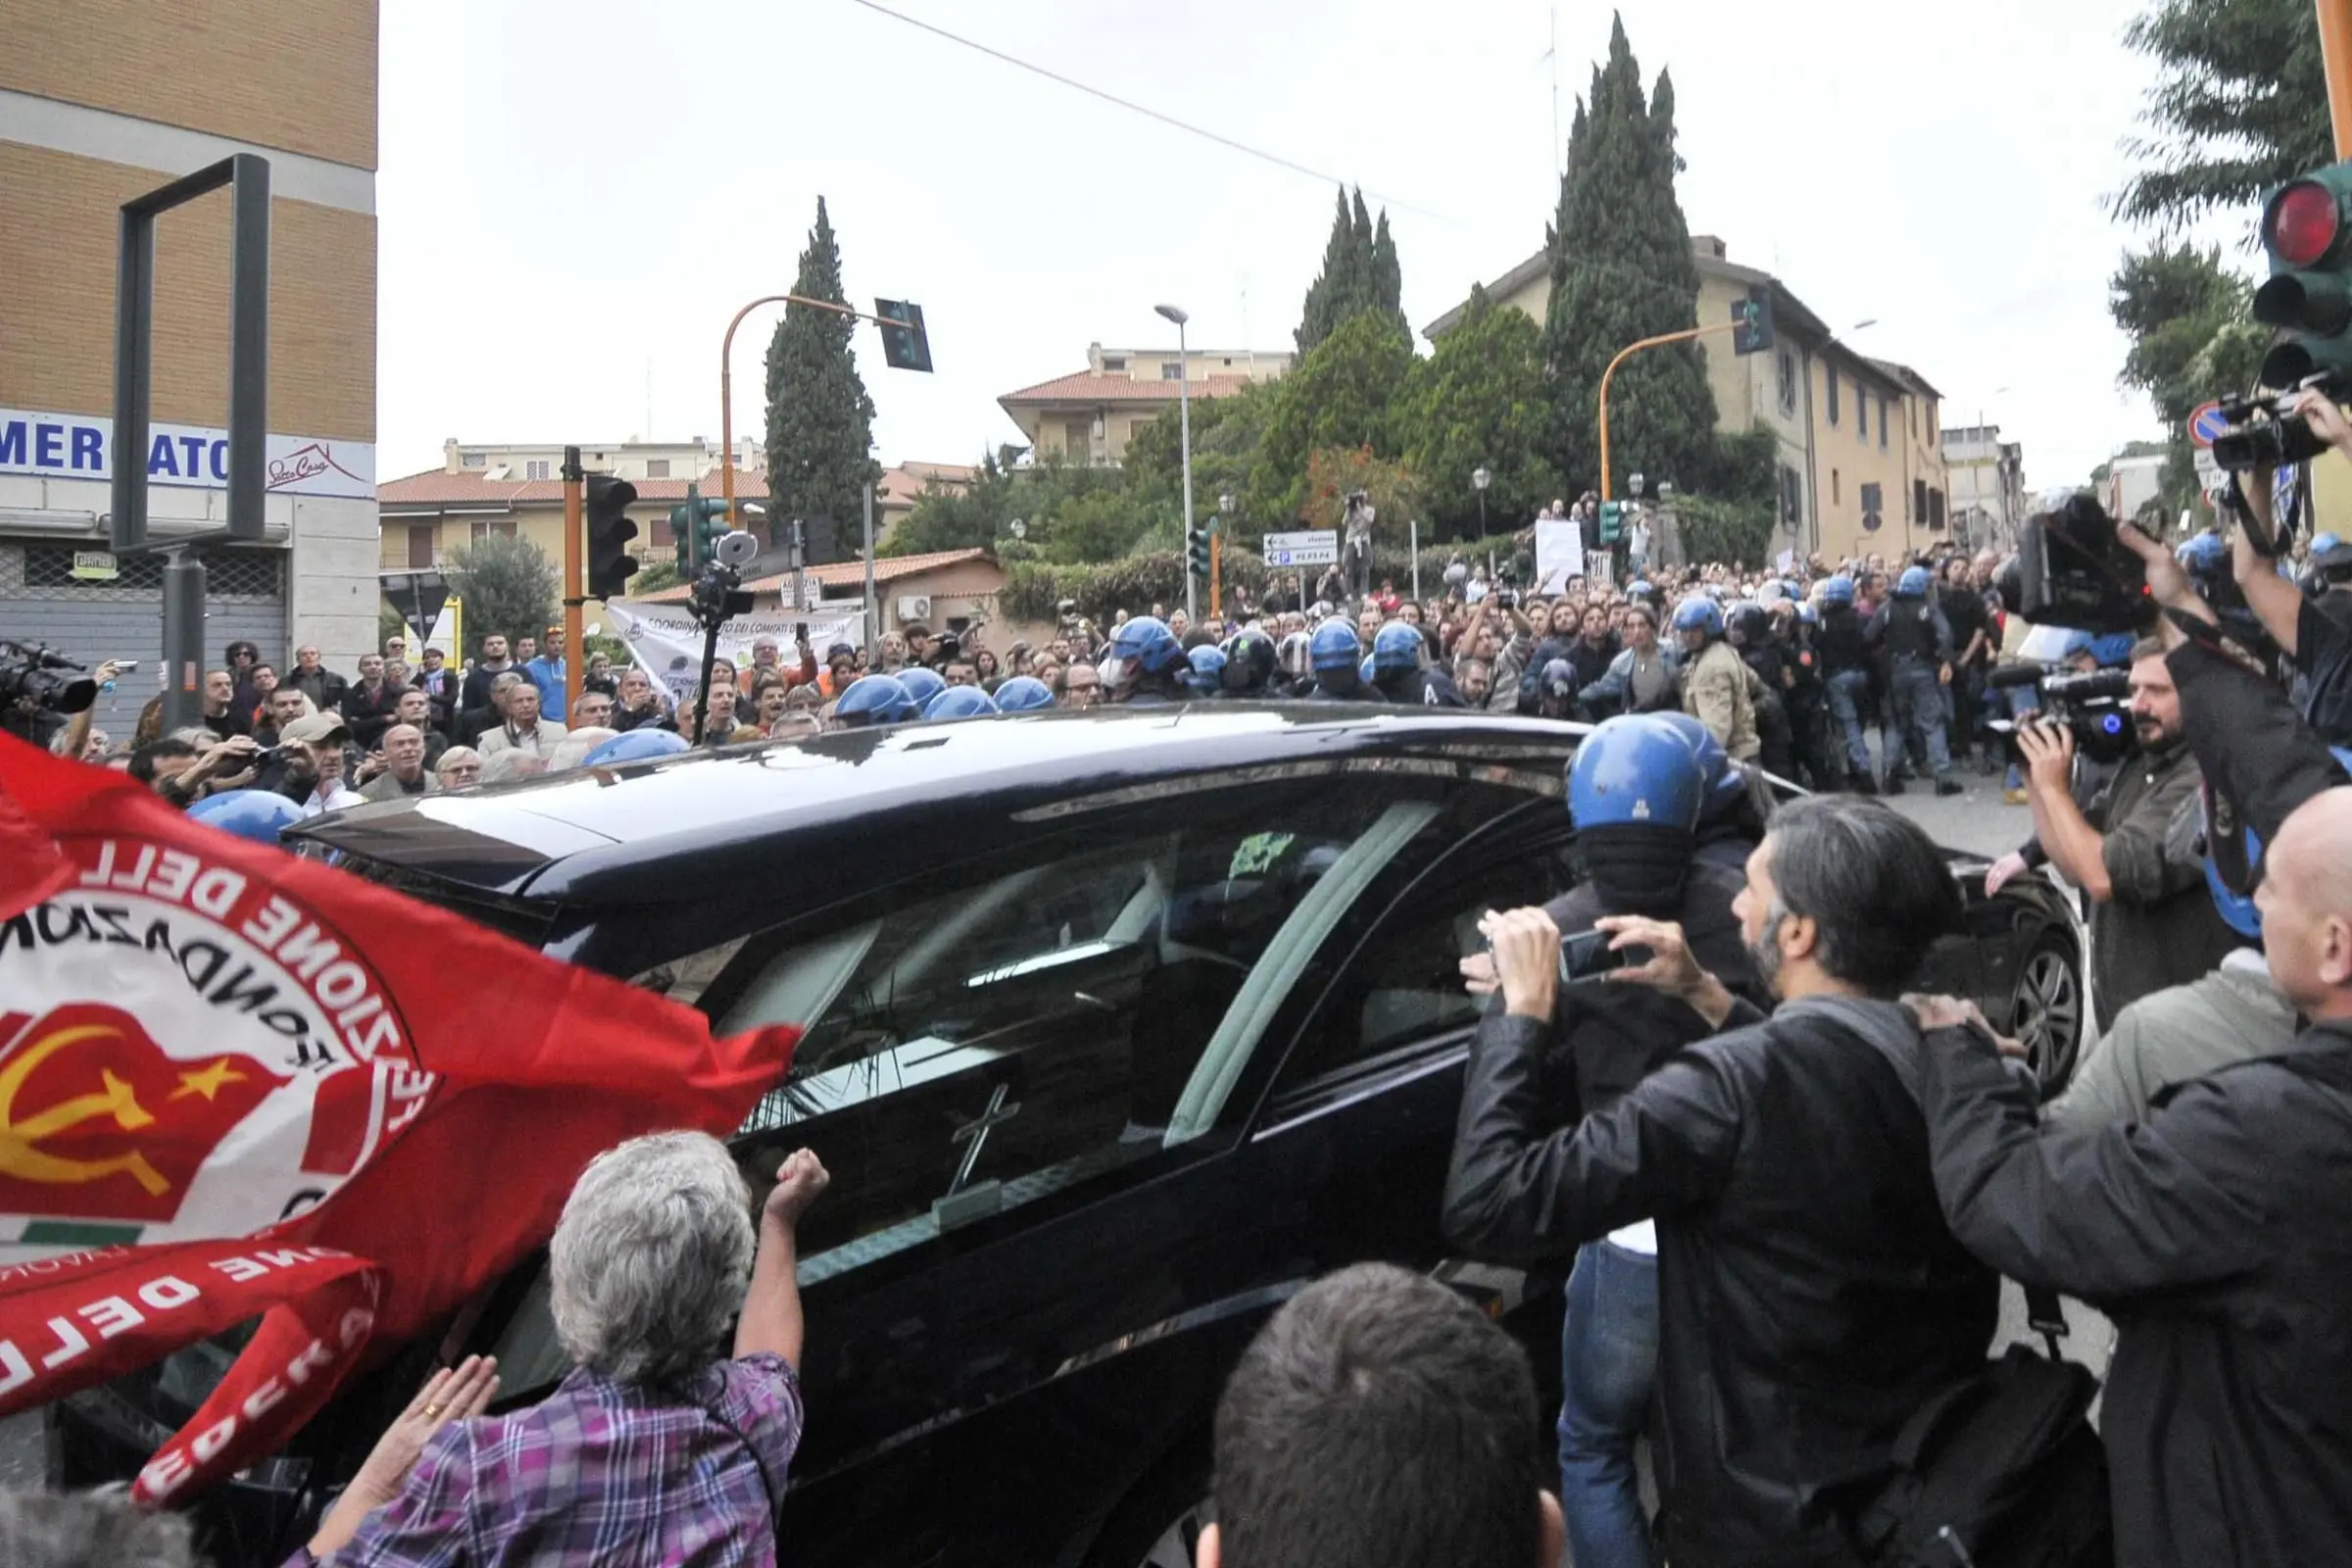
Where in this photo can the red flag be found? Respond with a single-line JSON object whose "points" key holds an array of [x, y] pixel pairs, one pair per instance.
{"points": [[235, 1082]]}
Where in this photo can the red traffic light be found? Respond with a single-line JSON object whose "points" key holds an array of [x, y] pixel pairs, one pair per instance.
{"points": [[2303, 224]]}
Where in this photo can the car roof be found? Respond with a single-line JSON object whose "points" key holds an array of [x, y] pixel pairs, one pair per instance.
{"points": [[579, 833]]}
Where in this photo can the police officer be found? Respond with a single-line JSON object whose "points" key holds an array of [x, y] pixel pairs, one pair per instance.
{"points": [[1250, 667], [874, 700], [1207, 663], [1396, 671], [1336, 659], [1635, 793], [1808, 704], [1716, 686], [1843, 643], [1753, 634], [1144, 665], [1917, 641], [1738, 802]]}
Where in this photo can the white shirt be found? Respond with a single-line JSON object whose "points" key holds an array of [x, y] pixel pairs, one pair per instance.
{"points": [[331, 798]]}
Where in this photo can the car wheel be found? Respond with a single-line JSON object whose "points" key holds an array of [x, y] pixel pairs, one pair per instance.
{"points": [[1158, 1523], [2047, 1014]]}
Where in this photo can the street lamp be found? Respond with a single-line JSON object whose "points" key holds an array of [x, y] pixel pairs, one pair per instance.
{"points": [[1184, 422], [1480, 479]]}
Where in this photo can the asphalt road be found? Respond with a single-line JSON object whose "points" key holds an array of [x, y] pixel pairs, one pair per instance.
{"points": [[1978, 821]]}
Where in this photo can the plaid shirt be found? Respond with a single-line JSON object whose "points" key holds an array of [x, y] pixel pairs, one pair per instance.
{"points": [[599, 1472]]}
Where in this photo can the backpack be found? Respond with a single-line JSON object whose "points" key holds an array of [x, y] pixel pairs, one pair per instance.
{"points": [[2003, 1470]]}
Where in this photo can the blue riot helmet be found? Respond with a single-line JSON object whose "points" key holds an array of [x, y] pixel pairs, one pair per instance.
{"points": [[1643, 590], [1333, 646], [1838, 590], [256, 814], [2204, 556], [636, 745], [1556, 682], [1791, 588], [2322, 543], [1142, 646], [1209, 670], [1914, 583], [922, 684], [1298, 661], [1023, 694], [1365, 671], [1396, 645], [1699, 612], [1806, 614], [1633, 769], [2112, 649], [1250, 662], [2237, 909], [960, 701], [870, 700]]}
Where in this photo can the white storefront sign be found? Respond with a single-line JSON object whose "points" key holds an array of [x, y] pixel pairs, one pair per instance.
{"points": [[81, 446]]}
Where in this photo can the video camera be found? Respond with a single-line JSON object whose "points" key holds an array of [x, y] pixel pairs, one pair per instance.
{"points": [[2073, 571], [2261, 434], [28, 674], [2095, 706]]}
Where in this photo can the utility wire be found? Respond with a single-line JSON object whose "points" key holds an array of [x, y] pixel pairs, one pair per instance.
{"points": [[1148, 113]]}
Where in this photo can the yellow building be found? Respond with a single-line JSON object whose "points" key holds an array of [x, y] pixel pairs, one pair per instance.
{"points": [[1859, 447], [1089, 417]]}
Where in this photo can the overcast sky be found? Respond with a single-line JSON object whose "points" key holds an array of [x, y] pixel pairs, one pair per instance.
{"points": [[575, 197]]}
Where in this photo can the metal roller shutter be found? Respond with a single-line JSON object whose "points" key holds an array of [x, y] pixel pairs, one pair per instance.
{"points": [[41, 602]]}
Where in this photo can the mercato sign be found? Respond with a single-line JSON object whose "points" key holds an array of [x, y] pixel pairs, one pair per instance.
{"points": [[70, 446]]}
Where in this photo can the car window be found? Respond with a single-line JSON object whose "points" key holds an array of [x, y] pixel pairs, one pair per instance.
{"points": [[1406, 984], [989, 1043]]}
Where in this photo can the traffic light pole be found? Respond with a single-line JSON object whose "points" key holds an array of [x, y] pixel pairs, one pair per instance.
{"points": [[575, 660], [2335, 52], [1626, 352], [727, 375]]}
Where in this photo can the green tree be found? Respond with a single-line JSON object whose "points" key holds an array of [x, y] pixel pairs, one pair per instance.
{"points": [[1340, 397], [2192, 337], [1622, 270], [2239, 106], [1360, 276], [508, 586], [820, 423], [1227, 435], [1480, 402]]}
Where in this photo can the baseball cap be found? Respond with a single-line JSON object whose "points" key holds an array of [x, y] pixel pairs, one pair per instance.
{"points": [[315, 729]]}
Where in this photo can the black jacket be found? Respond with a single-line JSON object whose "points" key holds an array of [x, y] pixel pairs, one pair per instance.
{"points": [[2215, 1235], [1810, 1296]]}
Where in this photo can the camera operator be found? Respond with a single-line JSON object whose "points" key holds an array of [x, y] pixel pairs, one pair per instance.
{"points": [[2210, 1226], [2316, 630], [1811, 1299], [2152, 921], [1634, 793]]}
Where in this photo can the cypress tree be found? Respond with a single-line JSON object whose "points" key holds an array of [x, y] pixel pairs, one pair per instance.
{"points": [[1387, 278], [1360, 275], [1622, 270], [820, 422]]}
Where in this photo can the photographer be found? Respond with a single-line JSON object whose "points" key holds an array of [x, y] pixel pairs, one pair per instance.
{"points": [[2315, 631], [1634, 793], [1811, 1299], [2152, 922]]}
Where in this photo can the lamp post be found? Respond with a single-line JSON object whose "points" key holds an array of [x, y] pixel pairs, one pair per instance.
{"points": [[1184, 424], [1480, 479]]}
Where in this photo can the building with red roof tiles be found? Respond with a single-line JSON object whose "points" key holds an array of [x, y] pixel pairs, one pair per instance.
{"points": [[1090, 415]]}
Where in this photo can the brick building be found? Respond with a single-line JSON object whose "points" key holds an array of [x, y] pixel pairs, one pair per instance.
{"points": [[103, 100]]}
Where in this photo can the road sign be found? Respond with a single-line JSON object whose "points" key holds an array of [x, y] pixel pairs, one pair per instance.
{"points": [[2205, 424], [2209, 472], [1313, 546], [93, 565]]}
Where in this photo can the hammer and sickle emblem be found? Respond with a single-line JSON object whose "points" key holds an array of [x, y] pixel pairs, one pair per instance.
{"points": [[20, 1153]]}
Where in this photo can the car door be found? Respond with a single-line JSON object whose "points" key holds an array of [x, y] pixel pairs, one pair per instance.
{"points": [[1015, 1074]]}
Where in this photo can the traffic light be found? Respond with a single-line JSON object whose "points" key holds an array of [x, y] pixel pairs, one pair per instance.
{"points": [[697, 527], [609, 531], [2309, 292], [1751, 331], [906, 347], [1196, 551]]}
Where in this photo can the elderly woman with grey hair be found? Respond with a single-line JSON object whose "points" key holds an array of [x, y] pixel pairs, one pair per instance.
{"points": [[656, 1449]]}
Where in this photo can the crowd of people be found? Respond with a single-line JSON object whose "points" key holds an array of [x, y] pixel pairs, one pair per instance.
{"points": [[1786, 1191]]}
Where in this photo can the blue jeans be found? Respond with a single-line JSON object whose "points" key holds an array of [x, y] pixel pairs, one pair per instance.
{"points": [[1848, 688], [1918, 704], [1609, 1365]]}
